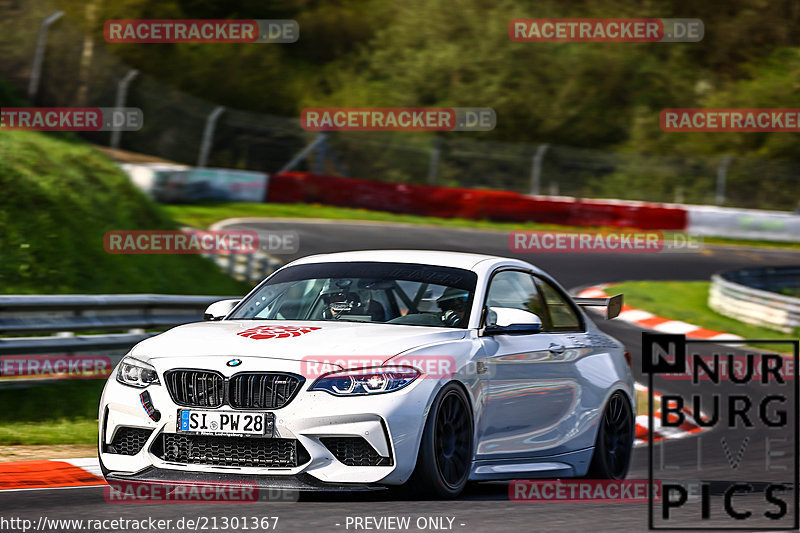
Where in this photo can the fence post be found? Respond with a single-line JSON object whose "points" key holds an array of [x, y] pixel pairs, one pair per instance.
{"points": [[208, 135], [248, 268], [679, 199], [320, 139], [265, 264], [722, 172], [122, 95], [38, 56], [536, 168], [433, 165], [87, 55]]}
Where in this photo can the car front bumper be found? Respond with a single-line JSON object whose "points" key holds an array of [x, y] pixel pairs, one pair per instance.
{"points": [[391, 424]]}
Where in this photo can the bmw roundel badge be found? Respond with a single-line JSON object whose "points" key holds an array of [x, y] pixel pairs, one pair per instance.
{"points": [[234, 362]]}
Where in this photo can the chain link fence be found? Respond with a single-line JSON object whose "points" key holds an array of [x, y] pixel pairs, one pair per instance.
{"points": [[76, 71]]}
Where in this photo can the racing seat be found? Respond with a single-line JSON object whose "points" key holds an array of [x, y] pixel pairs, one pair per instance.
{"points": [[376, 311]]}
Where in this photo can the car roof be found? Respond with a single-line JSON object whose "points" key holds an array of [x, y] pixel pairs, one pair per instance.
{"points": [[426, 257]]}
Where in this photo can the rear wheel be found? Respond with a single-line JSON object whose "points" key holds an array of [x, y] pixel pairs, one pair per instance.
{"points": [[445, 453], [614, 444]]}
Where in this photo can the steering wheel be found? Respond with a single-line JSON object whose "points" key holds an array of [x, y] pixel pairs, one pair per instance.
{"points": [[451, 319], [350, 303]]}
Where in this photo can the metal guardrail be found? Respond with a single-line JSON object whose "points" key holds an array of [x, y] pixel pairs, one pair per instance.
{"points": [[117, 321], [750, 295], [252, 268], [66, 314]]}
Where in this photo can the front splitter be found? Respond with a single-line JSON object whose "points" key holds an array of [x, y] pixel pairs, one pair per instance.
{"points": [[298, 482]]}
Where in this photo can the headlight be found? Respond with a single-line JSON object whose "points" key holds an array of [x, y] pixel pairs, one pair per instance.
{"points": [[136, 373], [366, 380]]}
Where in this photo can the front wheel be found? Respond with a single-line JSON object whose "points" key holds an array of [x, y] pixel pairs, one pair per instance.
{"points": [[445, 453], [614, 444]]}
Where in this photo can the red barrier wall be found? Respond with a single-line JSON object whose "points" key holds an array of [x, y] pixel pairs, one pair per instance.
{"points": [[447, 202]]}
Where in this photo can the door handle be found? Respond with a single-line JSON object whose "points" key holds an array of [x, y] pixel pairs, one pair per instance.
{"points": [[556, 348]]}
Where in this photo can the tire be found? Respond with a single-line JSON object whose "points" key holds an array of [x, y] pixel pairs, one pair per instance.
{"points": [[445, 452], [614, 444]]}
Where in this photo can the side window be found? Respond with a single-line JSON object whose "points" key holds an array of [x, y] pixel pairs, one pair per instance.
{"points": [[515, 289], [562, 315]]}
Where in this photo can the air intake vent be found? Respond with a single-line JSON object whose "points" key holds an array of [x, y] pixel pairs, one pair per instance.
{"points": [[262, 390], [195, 388], [128, 441], [230, 451], [355, 451]]}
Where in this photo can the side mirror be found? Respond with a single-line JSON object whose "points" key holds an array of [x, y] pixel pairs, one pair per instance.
{"points": [[509, 321], [219, 310]]}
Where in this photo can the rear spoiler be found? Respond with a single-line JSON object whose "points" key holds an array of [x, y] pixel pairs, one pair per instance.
{"points": [[612, 304]]}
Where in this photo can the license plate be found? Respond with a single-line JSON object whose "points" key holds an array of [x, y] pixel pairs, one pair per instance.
{"points": [[225, 423]]}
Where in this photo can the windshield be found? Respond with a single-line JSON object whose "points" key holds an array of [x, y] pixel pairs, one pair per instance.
{"points": [[386, 293]]}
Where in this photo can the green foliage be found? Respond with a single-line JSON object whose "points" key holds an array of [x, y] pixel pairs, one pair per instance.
{"points": [[9, 97], [57, 200], [435, 52]]}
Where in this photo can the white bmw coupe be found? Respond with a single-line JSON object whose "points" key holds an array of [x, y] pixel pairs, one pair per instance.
{"points": [[363, 370]]}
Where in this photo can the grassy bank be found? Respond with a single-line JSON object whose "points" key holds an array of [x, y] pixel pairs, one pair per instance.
{"points": [[63, 431], [59, 198], [59, 412], [688, 301]]}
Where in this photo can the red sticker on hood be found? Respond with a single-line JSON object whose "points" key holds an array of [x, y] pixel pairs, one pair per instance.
{"points": [[275, 332]]}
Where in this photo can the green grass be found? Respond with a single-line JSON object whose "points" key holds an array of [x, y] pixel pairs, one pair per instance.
{"points": [[688, 301], [641, 402], [76, 399], [63, 431], [59, 412], [203, 215], [59, 197]]}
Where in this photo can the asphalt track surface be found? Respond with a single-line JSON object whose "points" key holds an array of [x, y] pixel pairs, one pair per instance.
{"points": [[486, 507]]}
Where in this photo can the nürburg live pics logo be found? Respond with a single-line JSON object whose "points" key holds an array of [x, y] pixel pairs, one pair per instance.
{"points": [[741, 473]]}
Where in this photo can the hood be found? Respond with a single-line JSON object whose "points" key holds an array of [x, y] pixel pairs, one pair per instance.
{"points": [[291, 340]]}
